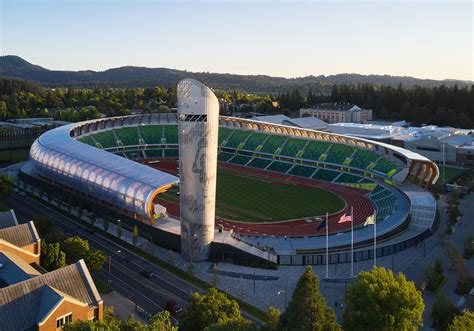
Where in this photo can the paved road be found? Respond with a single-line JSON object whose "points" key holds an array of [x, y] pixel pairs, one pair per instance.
{"points": [[150, 294]]}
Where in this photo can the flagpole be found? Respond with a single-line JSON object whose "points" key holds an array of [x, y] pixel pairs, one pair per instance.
{"points": [[327, 247], [375, 237], [352, 241]]}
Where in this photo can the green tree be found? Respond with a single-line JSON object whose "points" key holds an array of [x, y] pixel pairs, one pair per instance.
{"points": [[109, 322], [273, 317], [44, 225], [161, 322], [307, 309], [52, 257], [207, 309], [6, 184], [240, 324], [76, 248], [95, 259], [463, 322], [443, 312], [135, 235], [379, 300]]}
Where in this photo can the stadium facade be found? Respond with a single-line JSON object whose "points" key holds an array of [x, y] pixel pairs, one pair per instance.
{"points": [[198, 123]]}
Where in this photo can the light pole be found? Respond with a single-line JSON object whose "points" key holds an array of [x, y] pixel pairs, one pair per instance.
{"points": [[286, 297], [110, 262]]}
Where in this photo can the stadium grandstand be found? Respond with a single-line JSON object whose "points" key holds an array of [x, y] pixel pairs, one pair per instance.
{"points": [[366, 175]]}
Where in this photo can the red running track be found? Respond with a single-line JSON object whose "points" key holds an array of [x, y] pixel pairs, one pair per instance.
{"points": [[353, 196]]}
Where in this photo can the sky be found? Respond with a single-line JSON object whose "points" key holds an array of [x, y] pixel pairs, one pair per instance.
{"points": [[426, 39]]}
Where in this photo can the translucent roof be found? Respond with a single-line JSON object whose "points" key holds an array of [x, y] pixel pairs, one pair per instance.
{"points": [[110, 177]]}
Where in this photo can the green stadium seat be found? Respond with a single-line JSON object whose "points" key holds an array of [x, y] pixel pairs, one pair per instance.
{"points": [[236, 140], [171, 134], [224, 157], [259, 163], [240, 159], [224, 133], [279, 167], [363, 158], [302, 171], [151, 134], [106, 139], [325, 175], [272, 144], [314, 150], [347, 178], [127, 135], [87, 140], [339, 153], [255, 140], [171, 152], [293, 146], [385, 166]]}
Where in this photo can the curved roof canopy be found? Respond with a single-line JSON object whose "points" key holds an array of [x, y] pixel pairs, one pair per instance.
{"points": [[109, 177]]}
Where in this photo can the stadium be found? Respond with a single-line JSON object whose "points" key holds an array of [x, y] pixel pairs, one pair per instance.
{"points": [[275, 184]]}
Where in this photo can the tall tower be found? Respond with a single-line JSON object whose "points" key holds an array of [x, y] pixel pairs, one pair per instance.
{"points": [[198, 123]]}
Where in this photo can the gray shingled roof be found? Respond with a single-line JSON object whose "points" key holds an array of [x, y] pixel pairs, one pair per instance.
{"points": [[23, 303], [334, 106], [20, 235], [7, 219]]}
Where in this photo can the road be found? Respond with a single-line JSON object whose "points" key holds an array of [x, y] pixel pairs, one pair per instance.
{"points": [[151, 294]]}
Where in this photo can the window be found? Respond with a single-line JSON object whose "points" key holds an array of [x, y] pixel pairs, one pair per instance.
{"points": [[60, 322]]}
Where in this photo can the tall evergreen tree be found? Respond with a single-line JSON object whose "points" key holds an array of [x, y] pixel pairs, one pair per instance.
{"points": [[307, 309]]}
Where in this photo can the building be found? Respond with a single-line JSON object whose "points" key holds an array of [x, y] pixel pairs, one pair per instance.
{"points": [[338, 112], [32, 300], [452, 145], [198, 123], [311, 123]]}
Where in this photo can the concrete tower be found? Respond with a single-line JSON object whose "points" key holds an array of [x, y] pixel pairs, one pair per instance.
{"points": [[198, 124]]}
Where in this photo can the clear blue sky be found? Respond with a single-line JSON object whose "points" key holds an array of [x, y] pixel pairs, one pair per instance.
{"points": [[281, 38]]}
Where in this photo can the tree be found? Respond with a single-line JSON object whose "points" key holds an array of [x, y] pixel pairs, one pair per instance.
{"points": [[379, 300], [443, 312], [95, 259], [76, 248], [463, 322], [44, 225], [207, 309], [161, 322], [109, 322], [6, 184], [240, 324], [135, 235], [52, 257], [273, 317], [307, 309]]}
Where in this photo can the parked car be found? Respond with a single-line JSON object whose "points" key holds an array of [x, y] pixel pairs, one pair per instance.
{"points": [[22, 194]]}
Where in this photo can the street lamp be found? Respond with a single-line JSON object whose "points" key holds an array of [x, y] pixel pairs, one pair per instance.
{"points": [[110, 262], [286, 297]]}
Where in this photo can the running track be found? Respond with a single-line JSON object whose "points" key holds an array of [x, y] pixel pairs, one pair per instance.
{"points": [[296, 228]]}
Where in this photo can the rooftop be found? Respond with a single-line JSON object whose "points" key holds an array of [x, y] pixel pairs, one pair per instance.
{"points": [[339, 106], [20, 235], [7, 219], [27, 303]]}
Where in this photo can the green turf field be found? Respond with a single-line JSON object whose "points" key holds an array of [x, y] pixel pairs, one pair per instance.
{"points": [[253, 199]]}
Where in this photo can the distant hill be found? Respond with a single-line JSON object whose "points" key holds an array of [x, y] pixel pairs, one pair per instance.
{"points": [[15, 66]]}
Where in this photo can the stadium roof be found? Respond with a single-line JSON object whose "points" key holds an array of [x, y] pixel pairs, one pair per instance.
{"points": [[117, 180]]}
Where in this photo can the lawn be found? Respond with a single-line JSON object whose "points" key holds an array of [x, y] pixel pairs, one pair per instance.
{"points": [[253, 199], [450, 175]]}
